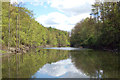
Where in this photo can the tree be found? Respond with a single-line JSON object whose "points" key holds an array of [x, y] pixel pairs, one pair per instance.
{"points": [[101, 31], [25, 30]]}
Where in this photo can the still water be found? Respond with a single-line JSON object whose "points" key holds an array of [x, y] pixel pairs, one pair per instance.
{"points": [[64, 62]]}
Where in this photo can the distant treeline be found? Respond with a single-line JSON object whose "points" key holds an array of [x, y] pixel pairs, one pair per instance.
{"points": [[101, 30], [20, 28]]}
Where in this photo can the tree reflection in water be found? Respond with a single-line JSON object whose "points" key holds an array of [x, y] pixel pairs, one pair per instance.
{"points": [[25, 65], [99, 64]]}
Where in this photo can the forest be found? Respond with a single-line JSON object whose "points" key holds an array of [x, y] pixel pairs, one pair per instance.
{"points": [[20, 28], [31, 50], [101, 30]]}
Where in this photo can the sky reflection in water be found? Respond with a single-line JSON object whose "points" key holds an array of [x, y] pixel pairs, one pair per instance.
{"points": [[60, 69]]}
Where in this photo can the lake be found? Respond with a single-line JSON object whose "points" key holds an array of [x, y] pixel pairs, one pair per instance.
{"points": [[64, 62]]}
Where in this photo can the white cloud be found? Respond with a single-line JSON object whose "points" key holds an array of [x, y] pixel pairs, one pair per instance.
{"points": [[60, 21], [72, 12], [72, 7], [37, 3], [16, 1]]}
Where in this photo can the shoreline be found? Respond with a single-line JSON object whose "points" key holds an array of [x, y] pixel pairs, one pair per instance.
{"points": [[23, 49]]}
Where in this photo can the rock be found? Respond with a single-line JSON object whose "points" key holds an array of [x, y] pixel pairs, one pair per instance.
{"points": [[12, 49], [24, 51], [22, 48]]}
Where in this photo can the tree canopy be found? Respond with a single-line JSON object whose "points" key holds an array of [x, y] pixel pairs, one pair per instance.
{"points": [[19, 27], [101, 30]]}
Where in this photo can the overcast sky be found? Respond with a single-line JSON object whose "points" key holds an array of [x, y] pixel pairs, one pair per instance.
{"points": [[60, 14]]}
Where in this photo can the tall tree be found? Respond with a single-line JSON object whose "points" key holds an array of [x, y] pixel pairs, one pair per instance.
{"points": [[9, 29]]}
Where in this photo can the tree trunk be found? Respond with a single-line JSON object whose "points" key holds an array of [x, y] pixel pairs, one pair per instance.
{"points": [[18, 27], [16, 30], [9, 30]]}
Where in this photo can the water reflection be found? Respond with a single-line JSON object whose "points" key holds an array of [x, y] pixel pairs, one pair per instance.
{"points": [[99, 64], [26, 65], [64, 48], [60, 69], [67, 63]]}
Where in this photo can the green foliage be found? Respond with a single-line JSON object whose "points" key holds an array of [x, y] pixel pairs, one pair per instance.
{"points": [[24, 30], [101, 31]]}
